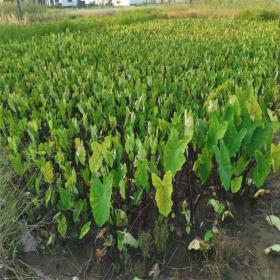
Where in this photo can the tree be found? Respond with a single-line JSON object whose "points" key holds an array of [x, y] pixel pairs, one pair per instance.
{"points": [[20, 14]]}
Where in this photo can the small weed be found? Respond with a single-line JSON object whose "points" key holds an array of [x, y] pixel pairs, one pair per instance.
{"points": [[227, 251], [161, 235]]}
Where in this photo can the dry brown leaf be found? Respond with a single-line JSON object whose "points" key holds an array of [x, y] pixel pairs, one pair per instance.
{"points": [[155, 271], [261, 192], [99, 254]]}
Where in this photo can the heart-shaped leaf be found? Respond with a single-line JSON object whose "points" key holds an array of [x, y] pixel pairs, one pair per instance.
{"points": [[164, 191], [100, 198]]}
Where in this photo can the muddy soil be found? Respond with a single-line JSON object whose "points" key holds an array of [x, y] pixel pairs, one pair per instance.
{"points": [[249, 231]]}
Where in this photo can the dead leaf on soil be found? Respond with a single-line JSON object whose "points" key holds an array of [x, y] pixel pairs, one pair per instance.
{"points": [[227, 214], [274, 249], [198, 245], [261, 192], [155, 272], [273, 221], [99, 254]]}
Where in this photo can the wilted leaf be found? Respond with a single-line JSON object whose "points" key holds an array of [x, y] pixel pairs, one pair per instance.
{"points": [[130, 240], [198, 245], [155, 271], [215, 204], [261, 192], [227, 214], [99, 254], [273, 221], [274, 249]]}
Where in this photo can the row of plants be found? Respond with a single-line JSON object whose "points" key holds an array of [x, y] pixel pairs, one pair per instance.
{"points": [[114, 129]]}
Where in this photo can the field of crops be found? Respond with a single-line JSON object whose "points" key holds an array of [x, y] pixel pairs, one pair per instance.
{"points": [[122, 126]]}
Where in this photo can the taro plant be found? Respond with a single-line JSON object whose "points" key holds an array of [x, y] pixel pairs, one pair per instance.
{"points": [[115, 139]]}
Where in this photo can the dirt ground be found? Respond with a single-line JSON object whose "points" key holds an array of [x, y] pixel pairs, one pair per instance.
{"points": [[250, 237]]}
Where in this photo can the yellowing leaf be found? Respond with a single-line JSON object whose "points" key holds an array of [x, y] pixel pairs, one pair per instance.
{"points": [[261, 192], [273, 221], [274, 249], [47, 171], [80, 150], [236, 184], [33, 124], [275, 156], [227, 214], [254, 108], [198, 245], [96, 159], [215, 204], [98, 153], [164, 191], [189, 127]]}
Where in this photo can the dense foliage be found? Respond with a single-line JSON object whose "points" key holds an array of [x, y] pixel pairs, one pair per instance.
{"points": [[110, 122]]}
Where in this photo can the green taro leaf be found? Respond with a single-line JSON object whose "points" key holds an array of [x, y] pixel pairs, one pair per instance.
{"points": [[262, 136], [262, 168], [233, 139], [62, 226], [203, 165], [240, 166], [164, 191], [216, 131], [174, 153], [47, 171], [236, 184], [100, 198], [141, 174], [275, 156], [225, 169], [85, 229], [48, 195], [65, 202]]}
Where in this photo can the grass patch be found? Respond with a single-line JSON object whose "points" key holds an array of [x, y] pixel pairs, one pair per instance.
{"points": [[14, 204]]}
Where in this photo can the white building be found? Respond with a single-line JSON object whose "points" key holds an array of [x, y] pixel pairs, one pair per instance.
{"points": [[63, 3], [128, 2], [75, 3]]}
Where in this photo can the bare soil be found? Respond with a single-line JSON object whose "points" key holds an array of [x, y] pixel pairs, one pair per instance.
{"points": [[239, 252]]}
